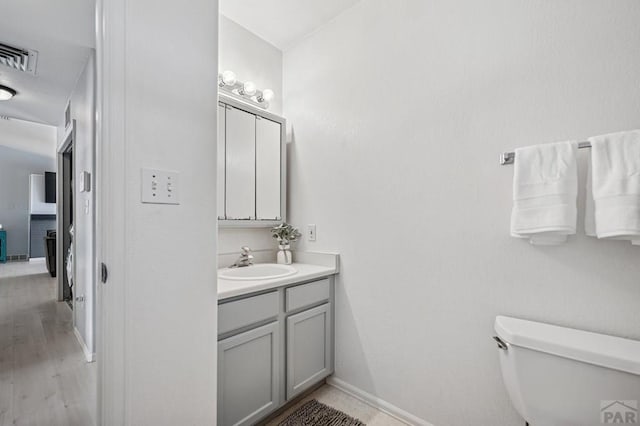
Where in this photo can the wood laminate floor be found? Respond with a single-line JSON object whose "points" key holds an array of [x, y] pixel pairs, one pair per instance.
{"points": [[44, 377]]}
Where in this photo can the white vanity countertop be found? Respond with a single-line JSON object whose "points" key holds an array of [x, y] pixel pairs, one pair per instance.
{"points": [[229, 288]]}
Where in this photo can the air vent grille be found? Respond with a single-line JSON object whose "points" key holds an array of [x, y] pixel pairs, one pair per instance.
{"points": [[17, 58]]}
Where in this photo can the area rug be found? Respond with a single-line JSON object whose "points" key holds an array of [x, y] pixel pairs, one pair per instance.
{"points": [[314, 413]]}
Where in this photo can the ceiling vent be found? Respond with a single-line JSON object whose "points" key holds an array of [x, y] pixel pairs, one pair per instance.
{"points": [[17, 58]]}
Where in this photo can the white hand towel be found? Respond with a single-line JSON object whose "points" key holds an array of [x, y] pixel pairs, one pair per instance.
{"points": [[545, 188], [589, 207], [613, 187]]}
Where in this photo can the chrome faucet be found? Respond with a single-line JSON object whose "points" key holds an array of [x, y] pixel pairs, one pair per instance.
{"points": [[245, 259]]}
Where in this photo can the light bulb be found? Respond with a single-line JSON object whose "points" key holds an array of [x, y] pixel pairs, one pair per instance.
{"points": [[249, 88], [6, 93], [267, 95], [229, 78]]}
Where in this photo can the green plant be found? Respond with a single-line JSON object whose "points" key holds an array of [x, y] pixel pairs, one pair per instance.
{"points": [[285, 234]]}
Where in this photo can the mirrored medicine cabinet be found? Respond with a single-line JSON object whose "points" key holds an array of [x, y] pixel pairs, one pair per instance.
{"points": [[251, 165]]}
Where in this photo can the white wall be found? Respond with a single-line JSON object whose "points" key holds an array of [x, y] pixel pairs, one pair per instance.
{"points": [[83, 112], [399, 111], [31, 138], [25, 148], [159, 336], [38, 194], [251, 58]]}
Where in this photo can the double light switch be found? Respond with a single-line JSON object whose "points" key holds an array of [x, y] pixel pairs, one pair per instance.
{"points": [[160, 187]]}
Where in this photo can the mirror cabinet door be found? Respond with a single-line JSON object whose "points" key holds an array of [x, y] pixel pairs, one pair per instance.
{"points": [[221, 162], [240, 130], [268, 164]]}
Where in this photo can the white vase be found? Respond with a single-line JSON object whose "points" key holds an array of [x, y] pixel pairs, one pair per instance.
{"points": [[284, 254]]}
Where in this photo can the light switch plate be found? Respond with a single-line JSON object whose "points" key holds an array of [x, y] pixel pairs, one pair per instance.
{"points": [[85, 181], [160, 186]]}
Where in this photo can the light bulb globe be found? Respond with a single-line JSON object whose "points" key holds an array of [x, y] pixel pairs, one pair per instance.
{"points": [[267, 95], [229, 78], [249, 88]]}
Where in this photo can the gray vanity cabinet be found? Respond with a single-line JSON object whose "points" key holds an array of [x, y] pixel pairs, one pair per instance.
{"points": [[309, 348], [272, 346], [248, 375]]}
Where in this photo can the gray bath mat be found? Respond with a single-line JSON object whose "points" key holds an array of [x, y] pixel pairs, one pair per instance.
{"points": [[314, 413]]}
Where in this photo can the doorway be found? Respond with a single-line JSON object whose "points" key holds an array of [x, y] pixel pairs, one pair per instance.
{"points": [[66, 219]]}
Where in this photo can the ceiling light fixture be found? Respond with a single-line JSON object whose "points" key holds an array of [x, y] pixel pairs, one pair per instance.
{"points": [[6, 93], [247, 91]]}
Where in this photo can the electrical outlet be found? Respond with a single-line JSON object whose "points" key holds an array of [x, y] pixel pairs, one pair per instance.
{"points": [[311, 232]]}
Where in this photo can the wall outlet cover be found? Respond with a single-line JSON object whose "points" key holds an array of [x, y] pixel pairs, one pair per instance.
{"points": [[311, 232]]}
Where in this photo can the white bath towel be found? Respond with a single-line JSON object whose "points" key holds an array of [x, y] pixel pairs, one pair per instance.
{"points": [[613, 187], [545, 188], [589, 208]]}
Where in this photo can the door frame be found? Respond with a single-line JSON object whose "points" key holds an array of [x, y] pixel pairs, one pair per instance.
{"points": [[110, 212], [61, 206]]}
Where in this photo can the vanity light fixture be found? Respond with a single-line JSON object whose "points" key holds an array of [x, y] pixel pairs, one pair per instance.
{"points": [[267, 95], [246, 91], [249, 88], [228, 78], [6, 93]]}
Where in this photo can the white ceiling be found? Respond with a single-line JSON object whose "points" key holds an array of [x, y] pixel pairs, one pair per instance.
{"points": [[283, 22], [62, 32], [28, 137]]}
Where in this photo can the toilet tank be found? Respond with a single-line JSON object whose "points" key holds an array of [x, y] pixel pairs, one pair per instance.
{"points": [[559, 376]]}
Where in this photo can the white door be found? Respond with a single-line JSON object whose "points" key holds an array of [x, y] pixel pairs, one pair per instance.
{"points": [[240, 164], [268, 164]]}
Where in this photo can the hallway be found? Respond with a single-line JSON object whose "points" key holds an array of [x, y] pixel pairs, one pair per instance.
{"points": [[44, 378]]}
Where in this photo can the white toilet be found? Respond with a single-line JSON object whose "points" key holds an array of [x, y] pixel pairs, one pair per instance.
{"points": [[559, 376]]}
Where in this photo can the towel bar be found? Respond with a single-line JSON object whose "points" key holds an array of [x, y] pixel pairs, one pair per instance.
{"points": [[509, 157]]}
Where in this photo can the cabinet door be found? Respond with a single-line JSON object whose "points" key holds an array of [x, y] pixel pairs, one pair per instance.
{"points": [[240, 128], [221, 161], [309, 348], [268, 165], [248, 375]]}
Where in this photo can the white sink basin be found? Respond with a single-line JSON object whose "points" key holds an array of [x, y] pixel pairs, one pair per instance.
{"points": [[259, 271]]}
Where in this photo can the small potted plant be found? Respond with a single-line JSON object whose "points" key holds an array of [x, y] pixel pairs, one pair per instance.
{"points": [[285, 234]]}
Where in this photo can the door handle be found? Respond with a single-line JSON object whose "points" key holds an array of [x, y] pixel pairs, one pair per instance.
{"points": [[104, 273]]}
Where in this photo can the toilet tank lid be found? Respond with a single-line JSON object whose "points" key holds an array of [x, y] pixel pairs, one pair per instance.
{"points": [[593, 348]]}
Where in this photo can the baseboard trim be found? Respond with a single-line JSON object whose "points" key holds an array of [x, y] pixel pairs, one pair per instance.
{"points": [[89, 356], [17, 257], [377, 403]]}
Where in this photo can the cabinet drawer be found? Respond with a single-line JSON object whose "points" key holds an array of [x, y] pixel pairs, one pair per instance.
{"points": [[244, 312], [307, 294]]}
